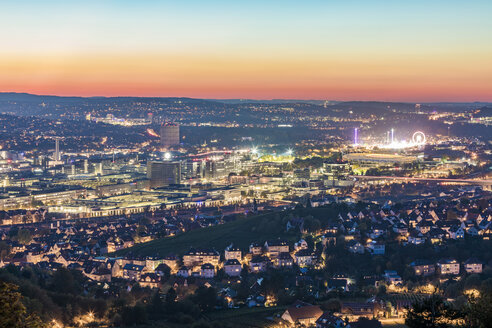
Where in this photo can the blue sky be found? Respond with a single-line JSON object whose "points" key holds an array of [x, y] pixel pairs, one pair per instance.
{"points": [[350, 33]]}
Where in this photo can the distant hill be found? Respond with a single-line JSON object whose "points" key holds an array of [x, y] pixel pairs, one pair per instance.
{"points": [[484, 112], [372, 107], [27, 97], [276, 101], [455, 106], [29, 104]]}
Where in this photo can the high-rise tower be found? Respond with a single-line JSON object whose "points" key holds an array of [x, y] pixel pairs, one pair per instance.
{"points": [[163, 174], [169, 135], [57, 155]]}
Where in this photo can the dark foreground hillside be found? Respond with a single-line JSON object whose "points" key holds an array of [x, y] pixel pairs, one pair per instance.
{"points": [[242, 232]]}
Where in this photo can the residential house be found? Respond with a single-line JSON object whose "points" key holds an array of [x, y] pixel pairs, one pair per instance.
{"points": [[171, 261], [328, 320], [368, 310], [473, 231], [355, 247], [207, 271], [184, 272], [392, 277], [283, 260], [98, 274], [329, 239], [448, 266], [338, 284], [425, 225], [400, 228], [275, 247], [378, 230], [232, 252], [436, 235], [416, 237], [34, 256], [232, 268], [255, 249], [304, 257], [301, 313], [132, 271], [376, 248], [456, 232], [423, 268], [258, 264], [152, 262], [114, 245], [150, 280], [195, 257], [473, 265], [301, 244]]}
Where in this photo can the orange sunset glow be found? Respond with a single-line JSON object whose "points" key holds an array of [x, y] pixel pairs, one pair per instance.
{"points": [[382, 57]]}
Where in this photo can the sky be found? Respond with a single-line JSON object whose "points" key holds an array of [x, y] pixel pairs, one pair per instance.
{"points": [[392, 50]]}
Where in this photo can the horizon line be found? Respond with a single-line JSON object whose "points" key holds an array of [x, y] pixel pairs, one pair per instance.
{"points": [[246, 99]]}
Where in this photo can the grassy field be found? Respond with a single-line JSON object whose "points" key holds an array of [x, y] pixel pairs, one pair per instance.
{"points": [[240, 232], [247, 317], [256, 317]]}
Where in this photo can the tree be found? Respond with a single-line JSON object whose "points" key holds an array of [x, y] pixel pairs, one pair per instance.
{"points": [[432, 312], [5, 250], [156, 306], [243, 290], [311, 224], [13, 313], [205, 298], [369, 323], [273, 283], [141, 229], [64, 282], [171, 296], [24, 236], [479, 311], [165, 269], [132, 316], [451, 215], [473, 281]]}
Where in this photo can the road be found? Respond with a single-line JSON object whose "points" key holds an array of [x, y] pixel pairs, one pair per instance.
{"points": [[459, 181]]}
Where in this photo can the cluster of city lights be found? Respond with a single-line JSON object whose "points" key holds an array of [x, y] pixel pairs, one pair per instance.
{"points": [[418, 140], [255, 151]]}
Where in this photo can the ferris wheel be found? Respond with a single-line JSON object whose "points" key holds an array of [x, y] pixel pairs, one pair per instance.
{"points": [[418, 138]]}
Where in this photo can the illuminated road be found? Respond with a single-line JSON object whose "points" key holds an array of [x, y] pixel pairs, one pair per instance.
{"points": [[467, 181]]}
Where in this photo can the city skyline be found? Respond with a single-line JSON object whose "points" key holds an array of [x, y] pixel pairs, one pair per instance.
{"points": [[416, 52], [233, 164]]}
